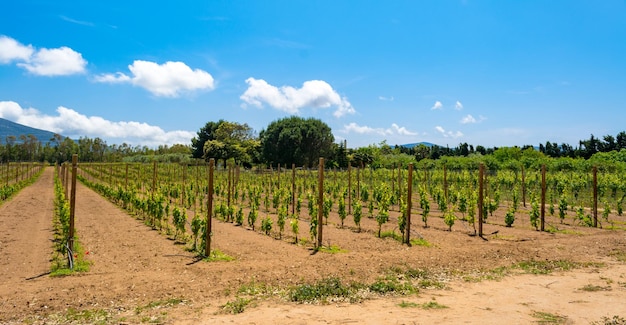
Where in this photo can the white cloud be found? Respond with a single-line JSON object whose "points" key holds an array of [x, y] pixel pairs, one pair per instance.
{"points": [[112, 78], [393, 130], [170, 79], [438, 105], [458, 106], [401, 130], [12, 50], [60, 61], [448, 134], [386, 98], [70, 123], [468, 119], [79, 22], [313, 93]]}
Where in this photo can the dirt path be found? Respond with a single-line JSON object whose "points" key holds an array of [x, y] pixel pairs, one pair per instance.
{"points": [[140, 275], [25, 239]]}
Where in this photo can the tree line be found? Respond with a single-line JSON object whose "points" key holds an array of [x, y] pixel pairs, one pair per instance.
{"points": [[293, 140]]}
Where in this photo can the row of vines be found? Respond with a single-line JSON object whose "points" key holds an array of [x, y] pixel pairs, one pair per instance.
{"points": [[173, 198]]}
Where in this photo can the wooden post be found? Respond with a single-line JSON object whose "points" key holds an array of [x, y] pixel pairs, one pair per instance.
{"points": [[320, 202], [445, 182], [595, 196], [409, 204], [126, 178], [481, 171], [154, 177], [349, 188], [66, 178], [184, 191], [399, 182], [279, 176], [523, 186], [70, 240], [293, 189], [209, 226], [230, 185], [543, 197]]}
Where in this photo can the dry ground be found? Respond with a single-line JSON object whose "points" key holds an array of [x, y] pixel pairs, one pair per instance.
{"points": [[140, 275]]}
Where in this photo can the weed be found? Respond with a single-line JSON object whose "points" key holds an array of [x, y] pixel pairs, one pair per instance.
{"points": [[407, 304], [332, 249], [237, 306], [217, 255], [595, 288], [432, 305], [549, 318], [615, 320]]}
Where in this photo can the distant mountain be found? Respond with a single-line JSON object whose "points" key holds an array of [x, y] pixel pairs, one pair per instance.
{"points": [[8, 128], [411, 145]]}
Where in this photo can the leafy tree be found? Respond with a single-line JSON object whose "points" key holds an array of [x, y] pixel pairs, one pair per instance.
{"points": [[232, 141], [296, 140], [206, 133]]}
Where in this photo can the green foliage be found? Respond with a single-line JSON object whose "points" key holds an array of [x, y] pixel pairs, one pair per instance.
{"points": [[357, 211], [253, 214], [295, 227], [341, 210], [282, 219], [239, 217], [296, 140], [425, 205], [266, 225], [562, 207], [509, 217], [534, 213], [196, 226], [449, 218]]}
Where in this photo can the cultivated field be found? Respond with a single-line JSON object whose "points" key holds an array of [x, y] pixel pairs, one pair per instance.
{"points": [[143, 271]]}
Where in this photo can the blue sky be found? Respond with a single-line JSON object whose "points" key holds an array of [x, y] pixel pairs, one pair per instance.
{"points": [[491, 73]]}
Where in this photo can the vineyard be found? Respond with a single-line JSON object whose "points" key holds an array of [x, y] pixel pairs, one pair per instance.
{"points": [[285, 203], [290, 241]]}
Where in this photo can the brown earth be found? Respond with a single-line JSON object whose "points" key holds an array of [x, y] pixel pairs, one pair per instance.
{"points": [[141, 275]]}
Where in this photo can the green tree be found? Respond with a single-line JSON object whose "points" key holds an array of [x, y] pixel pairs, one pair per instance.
{"points": [[296, 140], [232, 141], [206, 133]]}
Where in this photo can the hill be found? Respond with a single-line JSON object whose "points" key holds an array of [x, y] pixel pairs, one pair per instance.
{"points": [[8, 128], [411, 145]]}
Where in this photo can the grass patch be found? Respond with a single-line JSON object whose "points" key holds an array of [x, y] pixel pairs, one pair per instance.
{"points": [[619, 255], [615, 320], [594, 288], [549, 318], [432, 305], [236, 306], [60, 265], [255, 289], [398, 237], [547, 267], [322, 291], [332, 249], [420, 242], [217, 255], [391, 234], [390, 285], [527, 267], [554, 230], [408, 304]]}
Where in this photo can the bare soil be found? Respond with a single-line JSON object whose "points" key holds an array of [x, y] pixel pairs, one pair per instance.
{"points": [[141, 275]]}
